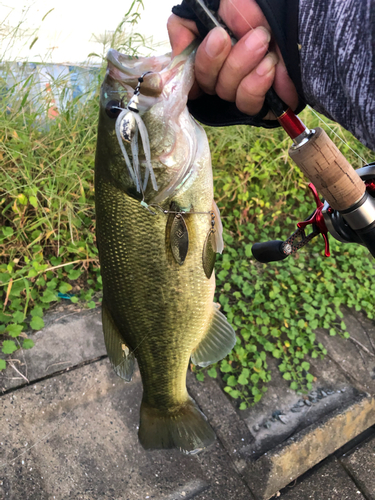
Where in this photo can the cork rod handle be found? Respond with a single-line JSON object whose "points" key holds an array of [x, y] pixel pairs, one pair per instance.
{"points": [[329, 171]]}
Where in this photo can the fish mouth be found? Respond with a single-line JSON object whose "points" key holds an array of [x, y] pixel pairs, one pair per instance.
{"points": [[150, 81], [158, 70]]}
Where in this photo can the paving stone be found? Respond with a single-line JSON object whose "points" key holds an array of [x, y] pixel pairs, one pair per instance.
{"points": [[228, 425], [330, 482], [289, 460], [69, 338], [267, 459], [355, 356], [361, 466], [75, 436], [280, 398]]}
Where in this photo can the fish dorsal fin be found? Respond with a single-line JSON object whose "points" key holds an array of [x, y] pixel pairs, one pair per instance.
{"points": [[120, 355], [218, 244], [218, 341]]}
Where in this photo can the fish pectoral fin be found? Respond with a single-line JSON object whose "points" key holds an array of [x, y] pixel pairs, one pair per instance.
{"points": [[218, 341], [120, 355], [218, 239]]}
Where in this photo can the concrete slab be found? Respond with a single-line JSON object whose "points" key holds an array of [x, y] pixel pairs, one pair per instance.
{"points": [[356, 356], [272, 457], [361, 466], [71, 337], [267, 457], [282, 412], [328, 483], [289, 460], [75, 436]]}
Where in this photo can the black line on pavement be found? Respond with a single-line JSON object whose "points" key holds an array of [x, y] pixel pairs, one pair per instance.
{"points": [[54, 374]]}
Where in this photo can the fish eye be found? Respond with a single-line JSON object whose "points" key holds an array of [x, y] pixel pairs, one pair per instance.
{"points": [[113, 109]]}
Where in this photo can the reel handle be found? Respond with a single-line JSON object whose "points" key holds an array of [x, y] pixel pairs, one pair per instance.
{"points": [[269, 251]]}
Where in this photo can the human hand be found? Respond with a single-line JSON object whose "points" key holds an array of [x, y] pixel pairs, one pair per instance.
{"points": [[242, 73]]}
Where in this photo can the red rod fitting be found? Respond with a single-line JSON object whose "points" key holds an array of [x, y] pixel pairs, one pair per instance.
{"points": [[292, 125]]}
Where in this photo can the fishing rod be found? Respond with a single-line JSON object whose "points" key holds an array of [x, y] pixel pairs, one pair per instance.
{"points": [[348, 212]]}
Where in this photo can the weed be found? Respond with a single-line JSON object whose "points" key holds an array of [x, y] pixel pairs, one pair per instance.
{"points": [[47, 221]]}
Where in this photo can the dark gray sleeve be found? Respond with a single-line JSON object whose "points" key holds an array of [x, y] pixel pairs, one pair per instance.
{"points": [[337, 49]]}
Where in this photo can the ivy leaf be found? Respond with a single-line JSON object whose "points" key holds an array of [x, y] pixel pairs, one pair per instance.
{"points": [[3, 364], [48, 296], [37, 323], [242, 380], [232, 381], [9, 346], [37, 311], [225, 367], [28, 344], [14, 330], [18, 316], [74, 274], [269, 346], [276, 353], [243, 406], [65, 287], [287, 376], [258, 397]]}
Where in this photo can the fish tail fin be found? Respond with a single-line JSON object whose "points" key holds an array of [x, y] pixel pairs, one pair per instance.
{"points": [[185, 428]]}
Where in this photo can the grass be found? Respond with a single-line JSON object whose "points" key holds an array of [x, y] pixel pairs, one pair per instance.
{"points": [[48, 252]]}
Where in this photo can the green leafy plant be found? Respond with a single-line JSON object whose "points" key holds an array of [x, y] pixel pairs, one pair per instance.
{"points": [[275, 308], [47, 222]]}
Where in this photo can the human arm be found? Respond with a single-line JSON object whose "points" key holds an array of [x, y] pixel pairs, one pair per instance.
{"points": [[328, 49]]}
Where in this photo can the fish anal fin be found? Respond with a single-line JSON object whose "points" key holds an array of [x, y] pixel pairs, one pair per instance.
{"points": [[185, 428], [217, 343], [120, 355]]}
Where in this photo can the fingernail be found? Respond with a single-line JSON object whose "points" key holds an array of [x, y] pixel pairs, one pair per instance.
{"points": [[258, 38], [268, 63], [216, 41]]}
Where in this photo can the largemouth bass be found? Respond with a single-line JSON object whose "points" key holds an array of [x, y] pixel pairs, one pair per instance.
{"points": [[158, 229]]}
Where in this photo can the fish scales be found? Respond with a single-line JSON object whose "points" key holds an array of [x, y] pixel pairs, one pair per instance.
{"points": [[156, 308], [153, 314]]}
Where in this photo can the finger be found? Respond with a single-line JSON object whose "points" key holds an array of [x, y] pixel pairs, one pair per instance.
{"points": [[284, 87], [252, 89], [195, 91], [241, 16], [242, 60], [181, 33], [211, 55]]}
